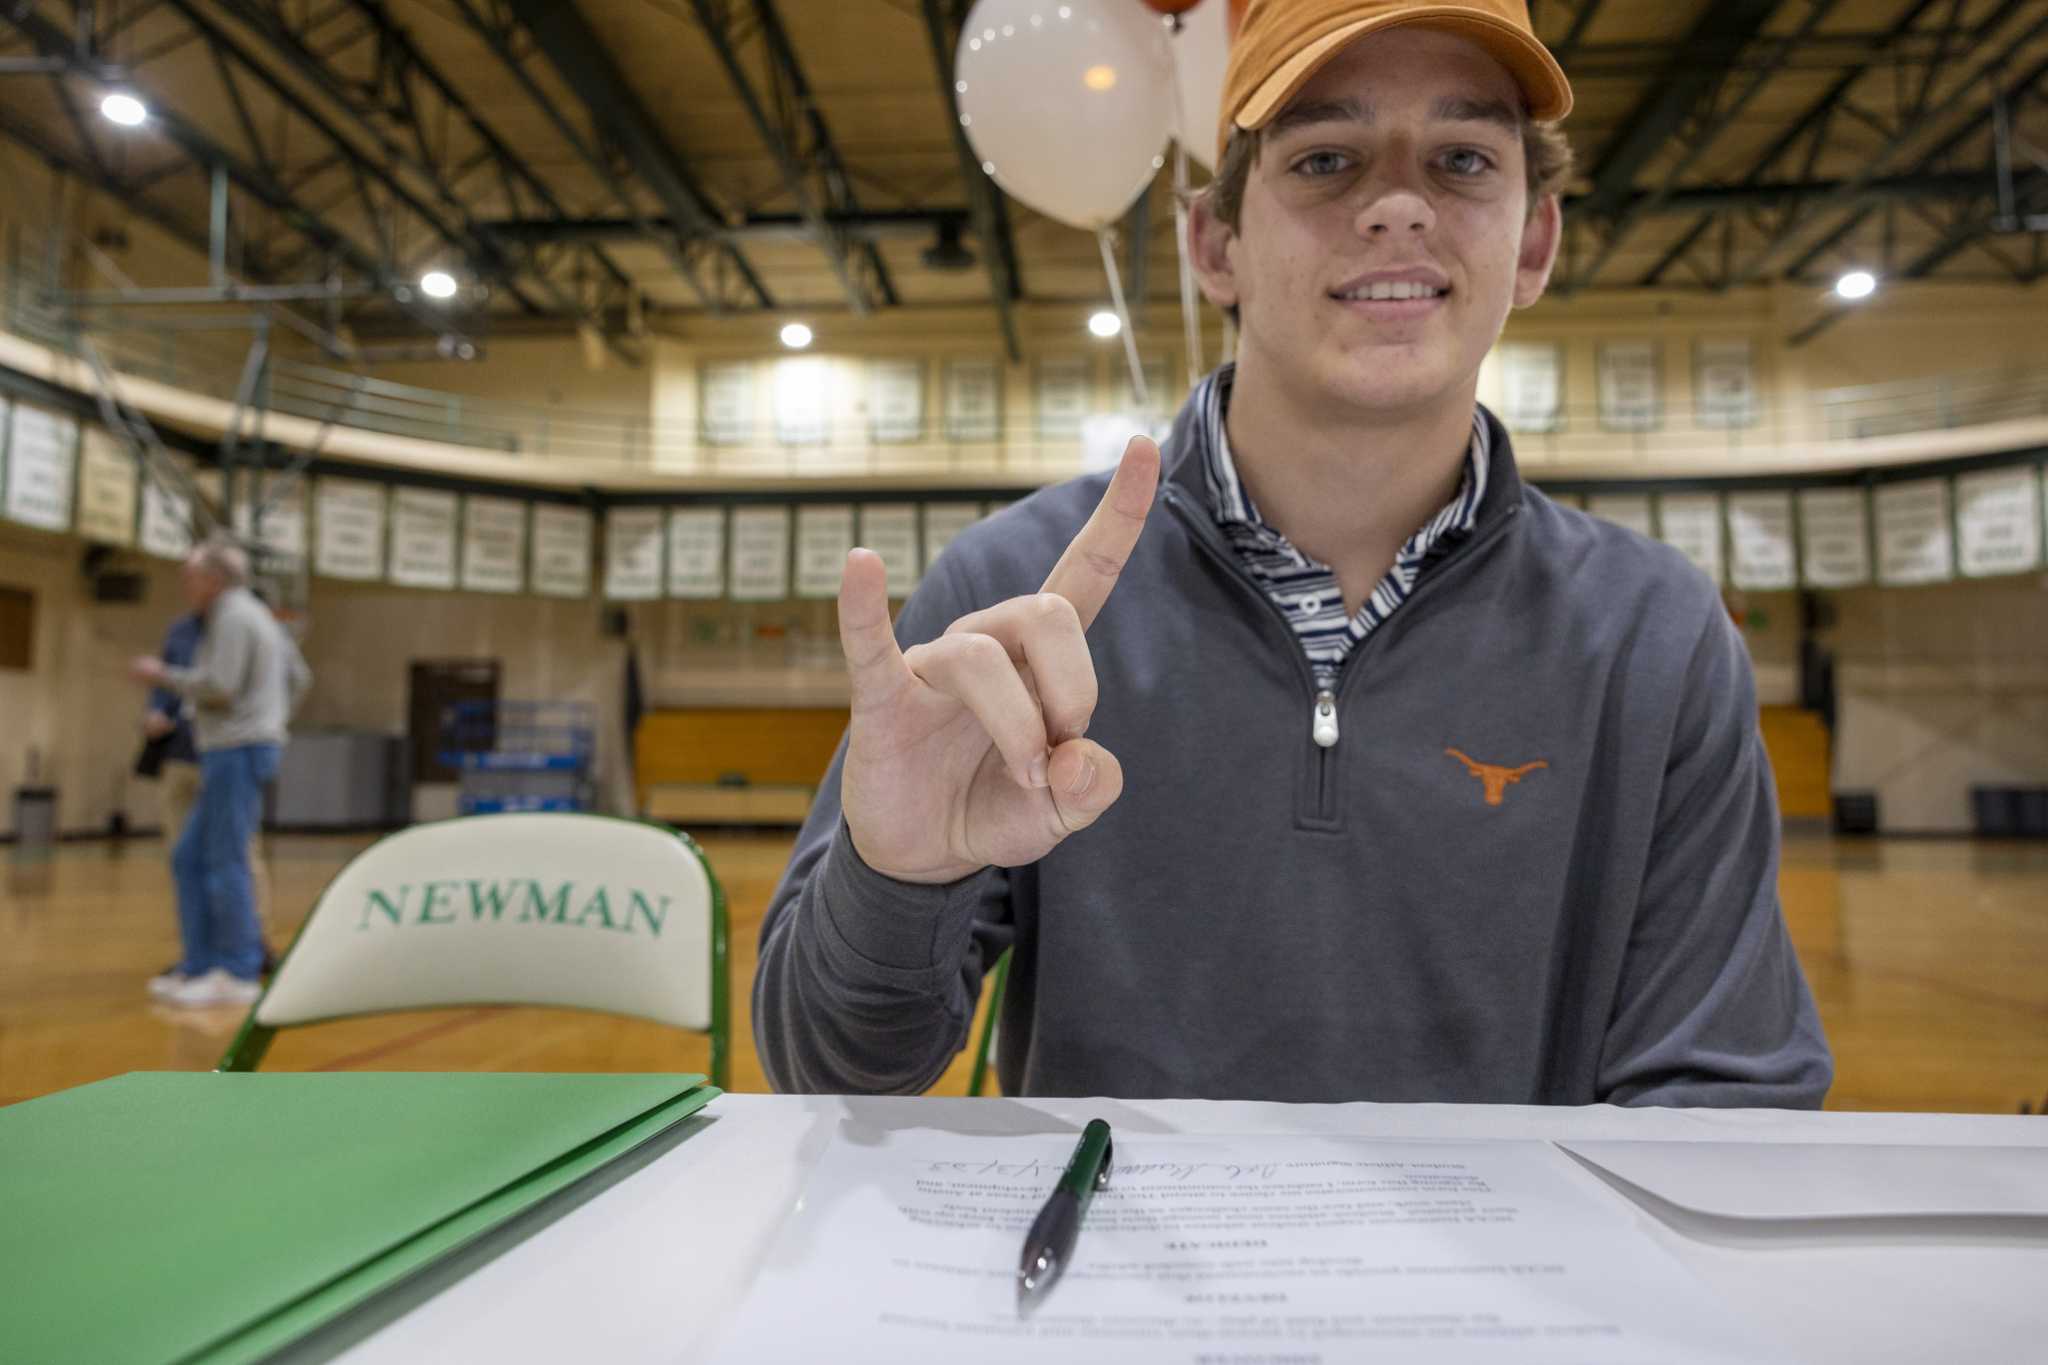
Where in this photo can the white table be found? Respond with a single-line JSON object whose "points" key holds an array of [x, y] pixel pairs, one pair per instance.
{"points": [[653, 1267]]}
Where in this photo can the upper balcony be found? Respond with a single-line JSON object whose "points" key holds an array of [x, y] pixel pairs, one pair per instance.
{"points": [[188, 371]]}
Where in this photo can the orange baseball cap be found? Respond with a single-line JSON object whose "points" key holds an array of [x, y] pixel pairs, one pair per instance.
{"points": [[1281, 43]]}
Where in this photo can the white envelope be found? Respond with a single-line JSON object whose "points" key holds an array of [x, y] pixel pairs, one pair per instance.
{"points": [[1789, 1182]]}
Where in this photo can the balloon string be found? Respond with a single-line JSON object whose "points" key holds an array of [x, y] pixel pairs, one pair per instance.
{"points": [[1190, 314], [1190, 310], [1105, 237], [1173, 24]]}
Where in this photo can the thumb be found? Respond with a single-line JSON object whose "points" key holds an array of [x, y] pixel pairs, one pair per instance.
{"points": [[1084, 780], [874, 662]]}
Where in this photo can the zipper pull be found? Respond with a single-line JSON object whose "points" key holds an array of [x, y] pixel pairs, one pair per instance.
{"points": [[1323, 723]]}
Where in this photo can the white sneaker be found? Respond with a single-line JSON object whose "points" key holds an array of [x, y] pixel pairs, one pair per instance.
{"points": [[165, 982], [217, 987]]}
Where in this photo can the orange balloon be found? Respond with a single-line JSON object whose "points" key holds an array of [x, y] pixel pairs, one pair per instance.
{"points": [[1172, 6]]}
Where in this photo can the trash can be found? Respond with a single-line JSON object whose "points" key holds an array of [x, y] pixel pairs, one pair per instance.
{"points": [[35, 818]]}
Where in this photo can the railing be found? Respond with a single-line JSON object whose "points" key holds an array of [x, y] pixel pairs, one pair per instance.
{"points": [[1937, 403], [199, 355]]}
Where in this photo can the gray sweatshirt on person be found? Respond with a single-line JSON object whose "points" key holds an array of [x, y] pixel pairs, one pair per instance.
{"points": [[248, 677], [1538, 865]]}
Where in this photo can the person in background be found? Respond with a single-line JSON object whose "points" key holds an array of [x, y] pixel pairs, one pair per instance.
{"points": [[171, 757], [243, 685]]}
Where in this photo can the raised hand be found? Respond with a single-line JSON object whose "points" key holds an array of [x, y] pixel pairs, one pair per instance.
{"points": [[968, 751]]}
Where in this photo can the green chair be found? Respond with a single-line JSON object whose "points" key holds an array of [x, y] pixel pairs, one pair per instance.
{"points": [[581, 911], [1001, 978]]}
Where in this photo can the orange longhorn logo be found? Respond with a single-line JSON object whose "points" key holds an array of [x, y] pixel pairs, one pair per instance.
{"points": [[1497, 779]]}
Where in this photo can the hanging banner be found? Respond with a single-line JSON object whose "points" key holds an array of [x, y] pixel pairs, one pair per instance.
{"points": [[350, 536], [493, 544], [1762, 557], [824, 534], [423, 531], [166, 525], [803, 401], [1106, 435], [1532, 386], [1063, 387], [42, 467], [270, 517], [561, 550], [1913, 539], [727, 404], [760, 554], [1998, 522], [1624, 509], [633, 538], [1724, 384], [943, 521], [1159, 395], [1690, 523], [1834, 537], [108, 489], [696, 552], [895, 401], [890, 530], [1629, 400], [974, 400]]}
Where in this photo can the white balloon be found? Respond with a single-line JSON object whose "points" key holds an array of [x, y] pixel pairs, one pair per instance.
{"points": [[1200, 52], [1068, 103]]}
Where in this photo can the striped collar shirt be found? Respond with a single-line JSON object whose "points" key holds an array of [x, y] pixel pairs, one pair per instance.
{"points": [[1305, 589]]}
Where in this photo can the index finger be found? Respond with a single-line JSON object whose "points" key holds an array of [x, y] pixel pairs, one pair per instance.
{"points": [[1094, 558]]}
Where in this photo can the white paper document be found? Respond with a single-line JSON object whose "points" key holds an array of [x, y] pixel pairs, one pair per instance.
{"points": [[1218, 1251]]}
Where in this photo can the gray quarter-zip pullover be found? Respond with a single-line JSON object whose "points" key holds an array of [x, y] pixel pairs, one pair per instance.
{"points": [[247, 679], [1524, 852]]}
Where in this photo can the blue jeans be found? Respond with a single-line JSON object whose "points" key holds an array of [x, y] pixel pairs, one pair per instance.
{"points": [[216, 905]]}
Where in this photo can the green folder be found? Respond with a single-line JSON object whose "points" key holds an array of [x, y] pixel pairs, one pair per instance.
{"points": [[197, 1216]]}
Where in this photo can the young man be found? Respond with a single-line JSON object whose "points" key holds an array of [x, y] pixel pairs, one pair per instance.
{"points": [[1379, 776]]}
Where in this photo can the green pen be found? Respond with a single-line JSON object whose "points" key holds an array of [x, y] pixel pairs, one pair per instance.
{"points": [[1050, 1243]]}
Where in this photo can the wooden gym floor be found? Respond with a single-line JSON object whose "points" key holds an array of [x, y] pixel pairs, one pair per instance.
{"points": [[1929, 959]]}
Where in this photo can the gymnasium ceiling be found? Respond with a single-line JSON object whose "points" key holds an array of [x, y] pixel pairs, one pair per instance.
{"points": [[611, 164]]}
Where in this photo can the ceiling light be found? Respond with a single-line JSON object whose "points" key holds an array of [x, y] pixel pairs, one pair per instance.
{"points": [[1857, 284], [1099, 78], [125, 110], [796, 336], [438, 284], [1105, 324]]}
